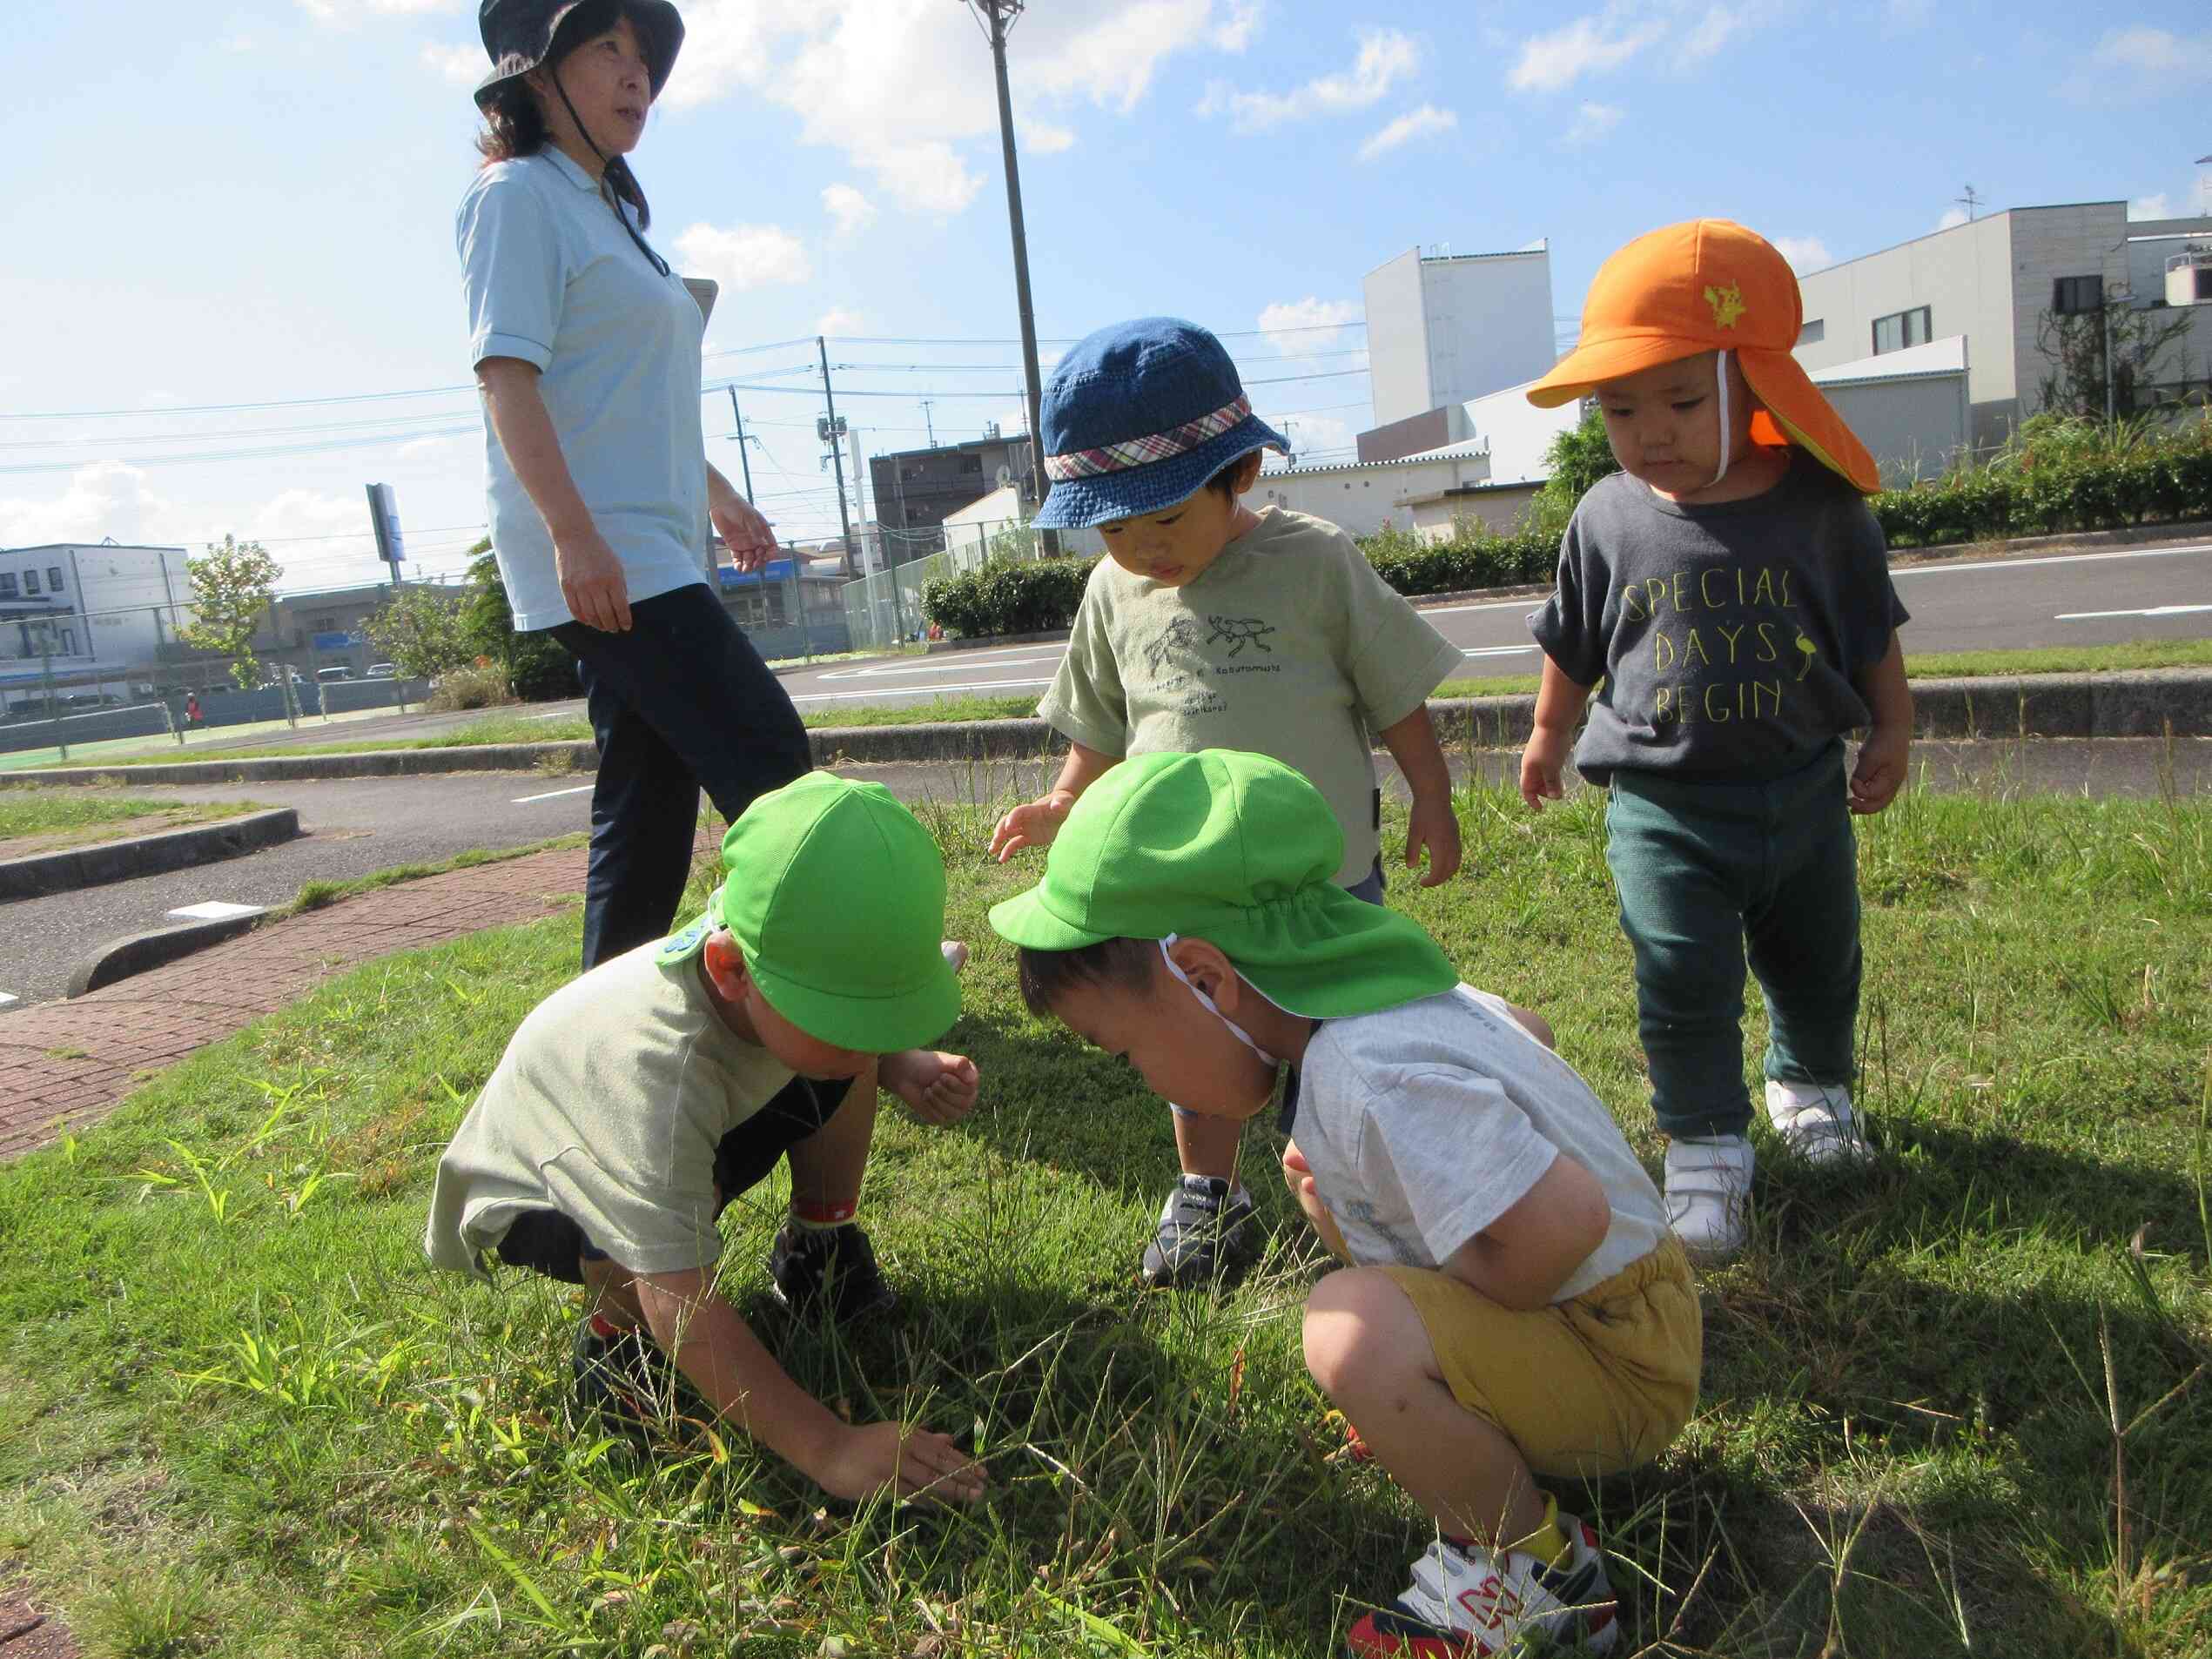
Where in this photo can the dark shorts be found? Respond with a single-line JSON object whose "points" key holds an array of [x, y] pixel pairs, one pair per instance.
{"points": [[546, 1241]]}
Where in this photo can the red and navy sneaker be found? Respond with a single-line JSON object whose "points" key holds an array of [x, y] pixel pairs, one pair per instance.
{"points": [[1469, 1602]]}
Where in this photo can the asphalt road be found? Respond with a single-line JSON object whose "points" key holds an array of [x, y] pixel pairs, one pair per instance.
{"points": [[351, 827], [2007, 604]]}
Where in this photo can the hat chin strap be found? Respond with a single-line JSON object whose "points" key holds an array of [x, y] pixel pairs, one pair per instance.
{"points": [[1206, 1002], [1720, 368]]}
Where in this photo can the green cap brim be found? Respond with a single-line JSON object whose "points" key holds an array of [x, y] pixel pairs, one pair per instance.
{"points": [[1024, 920]]}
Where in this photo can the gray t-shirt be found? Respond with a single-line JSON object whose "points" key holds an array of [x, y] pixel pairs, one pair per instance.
{"points": [[1730, 636], [1426, 1123], [607, 1106]]}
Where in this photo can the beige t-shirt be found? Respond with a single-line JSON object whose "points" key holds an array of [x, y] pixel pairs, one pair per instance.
{"points": [[607, 1106], [1287, 645]]}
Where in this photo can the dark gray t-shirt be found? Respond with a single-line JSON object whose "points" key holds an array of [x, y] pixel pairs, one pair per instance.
{"points": [[1728, 637]]}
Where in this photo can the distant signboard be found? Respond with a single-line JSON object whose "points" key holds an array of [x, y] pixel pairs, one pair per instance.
{"points": [[384, 518], [337, 642]]}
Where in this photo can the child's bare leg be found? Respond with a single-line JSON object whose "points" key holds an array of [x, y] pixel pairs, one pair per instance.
{"points": [[1207, 1144], [827, 1166], [611, 1292], [1533, 1023], [1369, 1350]]}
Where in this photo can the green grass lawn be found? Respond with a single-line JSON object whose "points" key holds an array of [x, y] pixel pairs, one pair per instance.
{"points": [[49, 820], [1953, 1405]]}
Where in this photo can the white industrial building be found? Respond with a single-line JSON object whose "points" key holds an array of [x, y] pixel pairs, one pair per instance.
{"points": [[92, 615], [1993, 281], [1443, 328]]}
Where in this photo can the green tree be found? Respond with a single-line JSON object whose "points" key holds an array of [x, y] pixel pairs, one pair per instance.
{"points": [[1577, 458], [231, 588], [421, 632], [538, 669], [2078, 345]]}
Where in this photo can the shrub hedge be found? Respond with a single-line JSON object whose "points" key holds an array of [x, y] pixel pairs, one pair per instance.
{"points": [[2057, 475]]}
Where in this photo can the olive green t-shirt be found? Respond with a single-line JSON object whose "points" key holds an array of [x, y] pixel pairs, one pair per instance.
{"points": [[607, 1106], [1287, 645]]}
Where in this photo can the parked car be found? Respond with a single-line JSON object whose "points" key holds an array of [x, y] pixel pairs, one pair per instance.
{"points": [[382, 671], [339, 672]]}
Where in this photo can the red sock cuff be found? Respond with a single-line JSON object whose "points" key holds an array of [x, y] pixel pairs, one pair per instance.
{"points": [[824, 1215]]}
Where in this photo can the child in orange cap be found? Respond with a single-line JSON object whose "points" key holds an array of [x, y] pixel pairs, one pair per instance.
{"points": [[1731, 589]]}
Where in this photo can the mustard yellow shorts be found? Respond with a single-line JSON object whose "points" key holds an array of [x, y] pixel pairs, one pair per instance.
{"points": [[1584, 1387]]}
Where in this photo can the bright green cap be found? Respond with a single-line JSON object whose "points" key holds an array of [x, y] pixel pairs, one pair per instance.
{"points": [[1237, 849], [835, 895]]}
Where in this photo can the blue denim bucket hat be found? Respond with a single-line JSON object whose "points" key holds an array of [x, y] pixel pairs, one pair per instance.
{"points": [[1137, 417]]}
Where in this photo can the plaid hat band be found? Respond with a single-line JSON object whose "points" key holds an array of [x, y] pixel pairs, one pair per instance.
{"points": [[1143, 451]]}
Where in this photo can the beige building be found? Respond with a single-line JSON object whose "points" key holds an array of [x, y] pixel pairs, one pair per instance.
{"points": [[1993, 281]]}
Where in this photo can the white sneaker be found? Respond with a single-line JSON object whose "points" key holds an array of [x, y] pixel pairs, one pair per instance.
{"points": [[1815, 1121], [1479, 1602], [1709, 1196]]}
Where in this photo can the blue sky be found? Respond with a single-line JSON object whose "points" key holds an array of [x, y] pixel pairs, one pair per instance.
{"points": [[254, 205]]}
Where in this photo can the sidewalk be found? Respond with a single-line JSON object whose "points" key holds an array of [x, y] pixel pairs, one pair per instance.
{"points": [[66, 1065]]}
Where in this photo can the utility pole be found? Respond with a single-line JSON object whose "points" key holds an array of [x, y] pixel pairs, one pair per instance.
{"points": [[744, 461], [929, 421], [998, 17], [830, 432]]}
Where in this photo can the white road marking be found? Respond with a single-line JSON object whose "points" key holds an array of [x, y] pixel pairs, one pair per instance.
{"points": [[886, 670], [1495, 650], [916, 691], [525, 800], [1534, 603], [1943, 569], [2155, 610], [216, 910]]}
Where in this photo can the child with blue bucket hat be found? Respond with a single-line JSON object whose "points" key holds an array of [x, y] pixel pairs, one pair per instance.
{"points": [[1211, 625]]}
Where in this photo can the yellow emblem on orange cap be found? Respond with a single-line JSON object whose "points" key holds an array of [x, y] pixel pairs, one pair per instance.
{"points": [[1727, 304]]}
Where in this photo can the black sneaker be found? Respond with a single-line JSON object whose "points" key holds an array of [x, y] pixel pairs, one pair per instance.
{"points": [[834, 1267], [1206, 1236], [623, 1378]]}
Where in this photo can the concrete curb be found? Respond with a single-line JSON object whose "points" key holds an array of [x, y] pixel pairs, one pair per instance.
{"points": [[117, 861], [138, 952], [581, 754]]}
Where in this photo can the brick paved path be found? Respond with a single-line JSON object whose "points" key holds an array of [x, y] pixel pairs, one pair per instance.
{"points": [[68, 1063]]}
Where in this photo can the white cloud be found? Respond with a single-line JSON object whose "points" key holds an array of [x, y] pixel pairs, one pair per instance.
{"points": [[853, 211], [1587, 46], [1293, 325], [1710, 33], [240, 41], [461, 66], [744, 256], [2141, 63], [423, 448], [1042, 138], [900, 87], [332, 12], [1805, 252], [107, 498], [2156, 52], [1593, 122], [1416, 124], [1386, 57], [2151, 207], [1322, 437], [1235, 32], [838, 320], [1951, 216]]}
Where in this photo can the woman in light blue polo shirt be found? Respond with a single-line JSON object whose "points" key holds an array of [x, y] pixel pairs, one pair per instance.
{"points": [[586, 347]]}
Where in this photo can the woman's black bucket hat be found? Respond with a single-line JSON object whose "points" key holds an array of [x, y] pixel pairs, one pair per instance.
{"points": [[519, 36]]}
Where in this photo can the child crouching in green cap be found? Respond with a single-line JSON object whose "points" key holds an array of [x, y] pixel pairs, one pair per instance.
{"points": [[1513, 1305], [638, 1100]]}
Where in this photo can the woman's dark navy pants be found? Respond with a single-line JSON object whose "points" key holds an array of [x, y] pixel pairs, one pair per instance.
{"points": [[681, 701]]}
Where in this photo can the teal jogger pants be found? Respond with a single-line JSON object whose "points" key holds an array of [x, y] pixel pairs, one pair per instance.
{"points": [[1707, 872]]}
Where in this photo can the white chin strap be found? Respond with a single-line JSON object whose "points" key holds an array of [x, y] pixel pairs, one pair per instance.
{"points": [[1720, 368], [1206, 1002]]}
